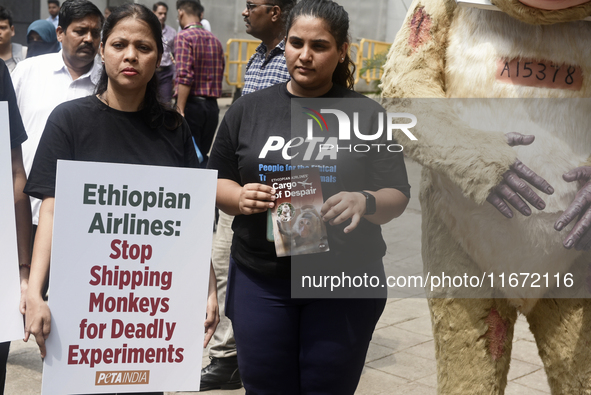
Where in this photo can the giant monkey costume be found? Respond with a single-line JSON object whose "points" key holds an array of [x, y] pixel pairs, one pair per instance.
{"points": [[446, 51]]}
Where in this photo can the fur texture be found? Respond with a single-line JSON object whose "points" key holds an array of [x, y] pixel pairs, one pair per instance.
{"points": [[534, 16], [464, 157]]}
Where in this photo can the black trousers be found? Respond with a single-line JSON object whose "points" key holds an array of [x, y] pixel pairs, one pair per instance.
{"points": [[297, 346], [202, 115], [4, 349]]}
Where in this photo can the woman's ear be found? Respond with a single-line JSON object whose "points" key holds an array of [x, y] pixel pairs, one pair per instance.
{"points": [[343, 52], [102, 52]]}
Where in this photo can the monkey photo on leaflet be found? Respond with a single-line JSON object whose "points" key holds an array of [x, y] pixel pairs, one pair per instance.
{"points": [[297, 225]]}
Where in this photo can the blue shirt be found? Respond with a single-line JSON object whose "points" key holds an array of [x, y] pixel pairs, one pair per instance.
{"points": [[55, 21], [262, 73]]}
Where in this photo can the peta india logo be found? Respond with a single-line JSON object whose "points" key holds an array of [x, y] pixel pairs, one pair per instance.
{"points": [[122, 377], [320, 132]]}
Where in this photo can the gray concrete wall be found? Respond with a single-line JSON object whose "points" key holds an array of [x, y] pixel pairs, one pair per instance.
{"points": [[23, 13], [371, 19]]}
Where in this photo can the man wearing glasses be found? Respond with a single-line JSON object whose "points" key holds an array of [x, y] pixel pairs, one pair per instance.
{"points": [[265, 20]]}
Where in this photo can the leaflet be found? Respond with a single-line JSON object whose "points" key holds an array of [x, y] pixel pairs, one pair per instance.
{"points": [[298, 227]]}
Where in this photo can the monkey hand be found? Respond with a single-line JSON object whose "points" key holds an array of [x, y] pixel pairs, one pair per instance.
{"points": [[256, 198], [513, 186], [580, 236], [343, 206]]}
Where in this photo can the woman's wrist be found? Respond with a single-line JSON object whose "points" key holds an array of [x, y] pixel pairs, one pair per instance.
{"points": [[370, 203]]}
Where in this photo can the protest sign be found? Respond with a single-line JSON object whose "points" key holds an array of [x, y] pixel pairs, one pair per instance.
{"points": [[12, 320], [128, 278]]}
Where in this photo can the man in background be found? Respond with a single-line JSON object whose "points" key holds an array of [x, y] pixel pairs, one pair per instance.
{"points": [[165, 72], [204, 22], [199, 71], [11, 53], [264, 20], [53, 6], [108, 10], [267, 23], [43, 82]]}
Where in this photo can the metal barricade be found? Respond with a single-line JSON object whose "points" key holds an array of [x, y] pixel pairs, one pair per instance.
{"points": [[238, 52], [353, 55], [367, 50]]}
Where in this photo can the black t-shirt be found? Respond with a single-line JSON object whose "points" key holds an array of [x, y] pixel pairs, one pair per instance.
{"points": [[17, 129], [88, 130], [236, 153]]}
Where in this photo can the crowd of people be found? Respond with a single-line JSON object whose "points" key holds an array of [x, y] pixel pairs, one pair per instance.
{"points": [[152, 95]]}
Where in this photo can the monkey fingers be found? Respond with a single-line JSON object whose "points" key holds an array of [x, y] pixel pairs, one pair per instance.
{"points": [[578, 235], [527, 174], [500, 204], [514, 138], [575, 209], [580, 173], [582, 198], [505, 192]]}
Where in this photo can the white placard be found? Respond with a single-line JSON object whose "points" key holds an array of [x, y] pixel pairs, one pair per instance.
{"points": [[12, 321], [128, 278]]}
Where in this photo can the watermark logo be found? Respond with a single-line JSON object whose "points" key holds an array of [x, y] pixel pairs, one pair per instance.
{"points": [[353, 134], [345, 125], [122, 377], [315, 116]]}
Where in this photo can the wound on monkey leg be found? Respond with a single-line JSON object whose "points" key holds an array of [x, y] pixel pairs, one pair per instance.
{"points": [[420, 28], [496, 334]]}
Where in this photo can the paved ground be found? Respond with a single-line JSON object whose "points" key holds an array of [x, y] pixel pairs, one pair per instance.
{"points": [[401, 357]]}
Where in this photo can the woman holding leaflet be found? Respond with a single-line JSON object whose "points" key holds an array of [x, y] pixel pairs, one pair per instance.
{"points": [[301, 346]]}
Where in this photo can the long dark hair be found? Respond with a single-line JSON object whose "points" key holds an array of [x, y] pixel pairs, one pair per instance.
{"points": [[337, 21], [155, 112]]}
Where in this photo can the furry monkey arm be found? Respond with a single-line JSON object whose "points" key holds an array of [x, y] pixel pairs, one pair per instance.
{"points": [[477, 162]]}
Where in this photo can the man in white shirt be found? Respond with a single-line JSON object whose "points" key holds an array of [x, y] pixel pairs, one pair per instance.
{"points": [[43, 82]]}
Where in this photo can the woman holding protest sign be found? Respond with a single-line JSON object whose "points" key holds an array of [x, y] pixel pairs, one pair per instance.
{"points": [[123, 123], [285, 345]]}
